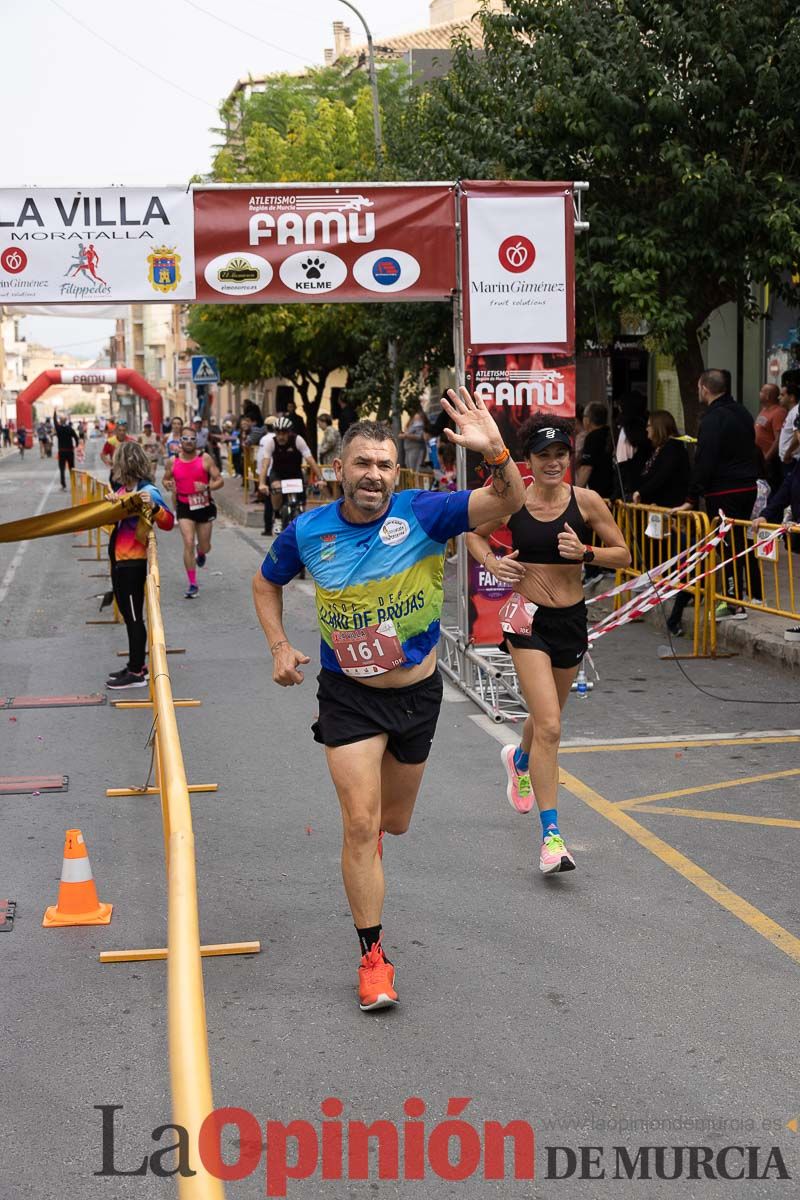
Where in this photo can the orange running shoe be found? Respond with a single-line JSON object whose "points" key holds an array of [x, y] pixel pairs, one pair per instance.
{"points": [[376, 981]]}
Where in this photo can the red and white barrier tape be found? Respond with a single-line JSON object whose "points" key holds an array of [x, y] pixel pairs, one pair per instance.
{"points": [[663, 588]]}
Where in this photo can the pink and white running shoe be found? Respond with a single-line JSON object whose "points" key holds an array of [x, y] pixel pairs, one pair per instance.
{"points": [[554, 855], [519, 789]]}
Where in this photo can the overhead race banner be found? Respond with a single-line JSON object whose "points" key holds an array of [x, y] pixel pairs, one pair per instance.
{"points": [[518, 267], [68, 245], [285, 243]]}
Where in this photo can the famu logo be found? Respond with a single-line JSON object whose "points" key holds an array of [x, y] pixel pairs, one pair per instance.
{"points": [[328, 219], [531, 389], [394, 531]]}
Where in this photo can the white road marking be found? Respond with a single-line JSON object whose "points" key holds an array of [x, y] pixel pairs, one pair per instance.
{"points": [[501, 733], [17, 559], [575, 743]]}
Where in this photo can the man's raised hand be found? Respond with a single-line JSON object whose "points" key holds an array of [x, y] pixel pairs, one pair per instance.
{"points": [[477, 429]]}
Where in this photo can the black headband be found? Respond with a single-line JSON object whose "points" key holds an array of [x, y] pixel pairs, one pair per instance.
{"points": [[548, 435]]}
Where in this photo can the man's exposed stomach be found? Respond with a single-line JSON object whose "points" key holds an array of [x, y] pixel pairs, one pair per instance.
{"points": [[403, 676]]}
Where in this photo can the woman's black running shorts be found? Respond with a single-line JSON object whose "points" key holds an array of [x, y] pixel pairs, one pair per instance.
{"points": [[562, 633]]}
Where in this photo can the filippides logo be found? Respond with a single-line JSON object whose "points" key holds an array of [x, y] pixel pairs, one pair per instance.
{"points": [[516, 253]]}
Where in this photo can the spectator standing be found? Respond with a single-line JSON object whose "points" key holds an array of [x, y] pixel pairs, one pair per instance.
{"points": [[67, 440], [6, 435], [724, 475], [298, 424], [330, 447], [768, 425], [128, 557], [595, 468], [347, 416], [665, 477], [414, 440], [633, 445], [789, 440]]}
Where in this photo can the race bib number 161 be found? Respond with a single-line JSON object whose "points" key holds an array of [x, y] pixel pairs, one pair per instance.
{"points": [[370, 651]]}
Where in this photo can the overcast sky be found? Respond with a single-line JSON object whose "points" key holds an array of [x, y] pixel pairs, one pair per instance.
{"points": [[78, 110]]}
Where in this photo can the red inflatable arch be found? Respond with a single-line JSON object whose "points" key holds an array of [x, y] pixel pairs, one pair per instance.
{"points": [[27, 398]]}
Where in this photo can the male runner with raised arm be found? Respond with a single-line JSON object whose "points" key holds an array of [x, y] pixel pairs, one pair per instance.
{"points": [[377, 560]]}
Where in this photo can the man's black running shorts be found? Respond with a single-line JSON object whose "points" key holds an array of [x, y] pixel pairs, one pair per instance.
{"points": [[350, 711]]}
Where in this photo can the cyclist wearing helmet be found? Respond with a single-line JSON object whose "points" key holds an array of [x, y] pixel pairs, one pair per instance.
{"points": [[281, 455]]}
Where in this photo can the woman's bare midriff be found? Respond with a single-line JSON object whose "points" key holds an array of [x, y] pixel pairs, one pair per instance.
{"points": [[404, 676], [554, 585]]}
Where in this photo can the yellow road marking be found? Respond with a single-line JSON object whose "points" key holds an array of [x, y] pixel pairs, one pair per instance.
{"points": [[679, 745], [708, 815], [738, 907], [707, 787]]}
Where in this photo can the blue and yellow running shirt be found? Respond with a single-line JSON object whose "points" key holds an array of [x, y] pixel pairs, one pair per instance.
{"points": [[378, 585]]}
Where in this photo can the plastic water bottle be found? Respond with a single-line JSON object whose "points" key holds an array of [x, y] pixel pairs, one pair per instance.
{"points": [[581, 689]]}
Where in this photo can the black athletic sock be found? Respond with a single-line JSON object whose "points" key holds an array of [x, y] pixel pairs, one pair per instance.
{"points": [[368, 937]]}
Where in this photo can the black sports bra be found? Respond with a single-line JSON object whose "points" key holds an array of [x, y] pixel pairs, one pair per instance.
{"points": [[537, 541]]}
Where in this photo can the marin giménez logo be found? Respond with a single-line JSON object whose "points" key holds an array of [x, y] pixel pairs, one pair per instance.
{"points": [[13, 260], [516, 253]]}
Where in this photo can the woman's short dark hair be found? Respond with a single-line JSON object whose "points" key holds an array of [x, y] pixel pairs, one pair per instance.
{"points": [[530, 430]]}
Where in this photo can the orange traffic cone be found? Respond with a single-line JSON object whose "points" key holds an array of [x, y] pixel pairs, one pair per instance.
{"points": [[77, 895]]}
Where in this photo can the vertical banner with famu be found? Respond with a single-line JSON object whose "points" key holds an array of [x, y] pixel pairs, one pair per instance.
{"points": [[518, 273]]}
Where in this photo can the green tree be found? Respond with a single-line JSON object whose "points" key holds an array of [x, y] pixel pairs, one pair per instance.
{"points": [[303, 343], [318, 127], [682, 117]]}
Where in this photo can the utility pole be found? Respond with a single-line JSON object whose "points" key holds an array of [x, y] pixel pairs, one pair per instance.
{"points": [[373, 83]]}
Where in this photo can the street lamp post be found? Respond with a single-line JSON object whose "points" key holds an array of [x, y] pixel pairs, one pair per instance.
{"points": [[373, 82]]}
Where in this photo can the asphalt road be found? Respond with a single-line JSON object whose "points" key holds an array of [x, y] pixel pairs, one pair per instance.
{"points": [[636, 1002]]}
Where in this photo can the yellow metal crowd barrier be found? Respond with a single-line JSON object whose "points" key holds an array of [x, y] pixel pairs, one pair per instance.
{"points": [[654, 535], [249, 473], [190, 1070], [415, 479], [765, 584]]}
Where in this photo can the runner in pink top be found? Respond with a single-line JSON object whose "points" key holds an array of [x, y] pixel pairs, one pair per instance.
{"points": [[193, 477]]}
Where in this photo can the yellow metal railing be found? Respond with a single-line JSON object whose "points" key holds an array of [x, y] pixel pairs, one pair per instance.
{"points": [[654, 535], [423, 480], [764, 584], [190, 1070]]}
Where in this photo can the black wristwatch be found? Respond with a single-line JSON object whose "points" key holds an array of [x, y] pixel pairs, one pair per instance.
{"points": [[588, 554]]}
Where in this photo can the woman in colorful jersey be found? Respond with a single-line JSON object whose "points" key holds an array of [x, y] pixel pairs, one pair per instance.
{"points": [[544, 619], [128, 554], [193, 476]]}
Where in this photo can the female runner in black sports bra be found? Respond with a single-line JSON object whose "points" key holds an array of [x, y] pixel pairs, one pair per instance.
{"points": [[544, 620]]}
